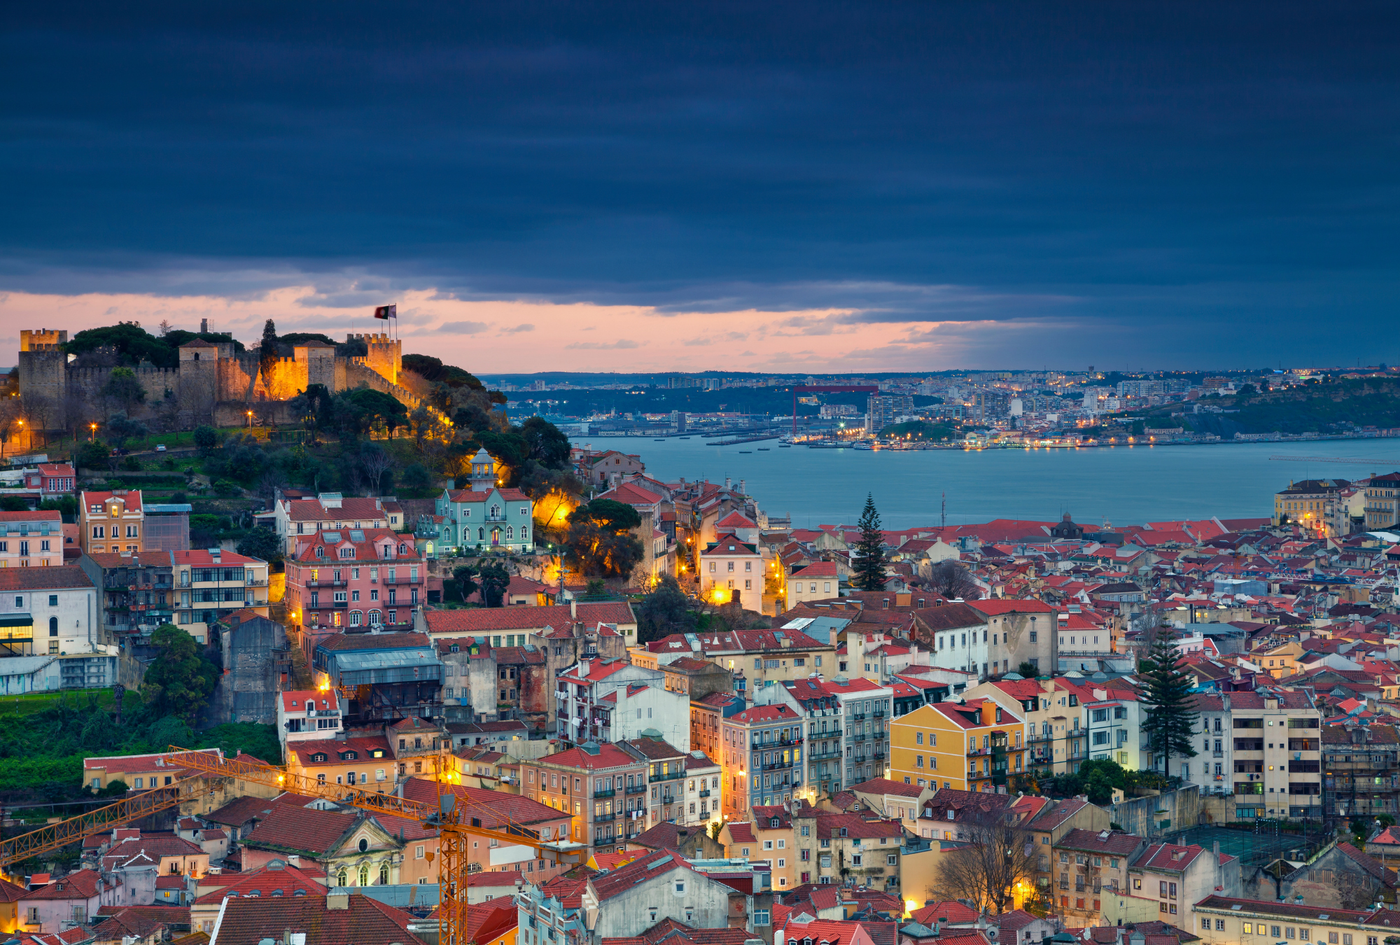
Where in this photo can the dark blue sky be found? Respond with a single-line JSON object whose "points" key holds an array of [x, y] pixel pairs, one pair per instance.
{"points": [[1140, 184]]}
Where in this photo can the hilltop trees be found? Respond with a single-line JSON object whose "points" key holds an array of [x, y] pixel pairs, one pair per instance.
{"points": [[180, 679], [600, 542], [666, 610], [1170, 718], [870, 567]]}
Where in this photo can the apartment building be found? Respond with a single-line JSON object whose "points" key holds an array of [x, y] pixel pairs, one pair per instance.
{"points": [[138, 590], [812, 582], [49, 611], [603, 787], [1382, 502], [1113, 721], [1166, 879], [1264, 747], [309, 715], [1020, 631], [1316, 505], [110, 521], [761, 751], [1089, 866], [730, 570], [604, 700], [823, 714], [1049, 825], [666, 774], [211, 584], [761, 656], [1224, 920], [1056, 738], [31, 539], [864, 708], [703, 801], [1362, 771], [705, 717], [840, 848], [353, 577], [971, 746]]}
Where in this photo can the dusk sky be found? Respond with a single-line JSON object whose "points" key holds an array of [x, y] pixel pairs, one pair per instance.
{"points": [[773, 187]]}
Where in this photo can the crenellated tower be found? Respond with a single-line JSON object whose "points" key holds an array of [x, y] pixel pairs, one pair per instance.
{"points": [[384, 355]]}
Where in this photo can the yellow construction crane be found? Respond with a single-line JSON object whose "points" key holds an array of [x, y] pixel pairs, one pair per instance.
{"points": [[53, 837], [455, 817]]}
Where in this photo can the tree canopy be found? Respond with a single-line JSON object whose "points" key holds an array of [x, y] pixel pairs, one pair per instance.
{"points": [[600, 542], [180, 679], [666, 610]]}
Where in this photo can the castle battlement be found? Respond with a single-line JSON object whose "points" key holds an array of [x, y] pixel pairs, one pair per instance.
{"points": [[227, 376], [38, 339]]}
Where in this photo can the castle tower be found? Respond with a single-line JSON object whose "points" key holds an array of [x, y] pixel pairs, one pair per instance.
{"points": [[43, 369], [384, 357], [320, 362]]}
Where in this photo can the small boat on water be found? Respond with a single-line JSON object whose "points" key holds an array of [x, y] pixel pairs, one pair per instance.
{"points": [[763, 449], [784, 446], [746, 452], [685, 438], [862, 445], [659, 439]]}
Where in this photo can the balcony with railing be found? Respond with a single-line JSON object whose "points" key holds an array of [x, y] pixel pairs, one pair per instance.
{"points": [[605, 792], [635, 789]]}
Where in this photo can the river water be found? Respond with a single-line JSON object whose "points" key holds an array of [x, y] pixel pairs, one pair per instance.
{"points": [[1122, 485]]}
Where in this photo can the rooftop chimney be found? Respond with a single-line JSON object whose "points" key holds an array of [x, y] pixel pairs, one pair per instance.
{"points": [[573, 607]]}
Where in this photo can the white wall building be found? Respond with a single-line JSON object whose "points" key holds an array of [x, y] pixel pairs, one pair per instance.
{"points": [[309, 715], [702, 787], [48, 610]]}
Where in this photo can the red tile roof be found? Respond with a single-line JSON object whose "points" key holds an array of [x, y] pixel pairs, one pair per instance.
{"points": [[490, 619], [496, 809], [84, 884], [607, 756], [131, 499], [301, 830], [352, 509], [43, 579], [363, 921]]}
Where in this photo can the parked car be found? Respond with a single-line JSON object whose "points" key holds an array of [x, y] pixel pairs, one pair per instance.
{"points": [[160, 447]]}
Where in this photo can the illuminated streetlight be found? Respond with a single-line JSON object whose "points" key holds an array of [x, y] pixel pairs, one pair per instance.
{"points": [[92, 437]]}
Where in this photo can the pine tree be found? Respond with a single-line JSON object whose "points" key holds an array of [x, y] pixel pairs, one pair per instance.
{"points": [[1170, 718], [870, 567]]}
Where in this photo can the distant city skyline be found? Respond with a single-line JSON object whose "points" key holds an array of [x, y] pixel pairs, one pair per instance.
{"points": [[790, 187]]}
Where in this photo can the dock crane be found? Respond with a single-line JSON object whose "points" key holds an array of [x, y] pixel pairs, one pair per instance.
{"points": [[455, 816]]}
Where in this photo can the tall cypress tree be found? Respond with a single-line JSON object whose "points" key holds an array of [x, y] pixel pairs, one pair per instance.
{"points": [[268, 351], [1170, 718], [870, 567]]}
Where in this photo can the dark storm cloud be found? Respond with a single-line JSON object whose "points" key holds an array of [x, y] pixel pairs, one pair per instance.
{"points": [[1157, 170]]}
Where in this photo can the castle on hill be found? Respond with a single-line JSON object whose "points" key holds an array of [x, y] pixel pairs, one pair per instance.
{"points": [[213, 382]]}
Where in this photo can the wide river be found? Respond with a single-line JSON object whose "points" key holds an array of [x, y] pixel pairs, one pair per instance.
{"points": [[1122, 485]]}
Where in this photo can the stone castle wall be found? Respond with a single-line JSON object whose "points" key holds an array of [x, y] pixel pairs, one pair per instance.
{"points": [[215, 390]]}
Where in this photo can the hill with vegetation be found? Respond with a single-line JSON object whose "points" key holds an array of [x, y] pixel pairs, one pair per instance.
{"points": [[1332, 406]]}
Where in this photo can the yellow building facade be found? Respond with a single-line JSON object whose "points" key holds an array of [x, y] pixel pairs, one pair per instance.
{"points": [[974, 746]]}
